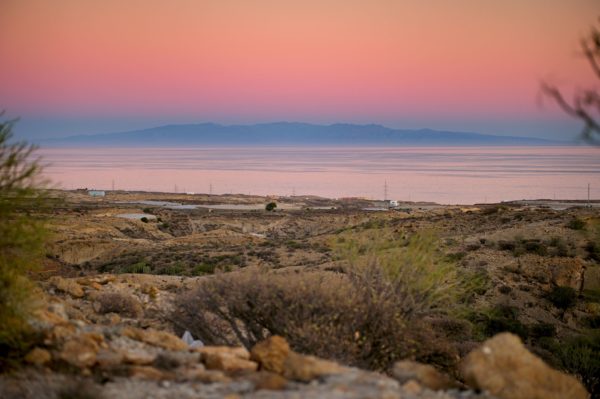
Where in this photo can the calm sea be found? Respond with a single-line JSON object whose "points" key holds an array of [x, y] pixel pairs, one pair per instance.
{"points": [[449, 175]]}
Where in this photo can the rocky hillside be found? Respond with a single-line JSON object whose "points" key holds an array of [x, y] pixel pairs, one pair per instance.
{"points": [[108, 336]]}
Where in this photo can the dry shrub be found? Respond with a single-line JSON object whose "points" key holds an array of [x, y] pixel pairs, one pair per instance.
{"points": [[116, 302], [369, 316]]}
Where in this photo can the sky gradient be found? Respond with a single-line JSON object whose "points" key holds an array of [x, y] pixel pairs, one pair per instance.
{"points": [[76, 67]]}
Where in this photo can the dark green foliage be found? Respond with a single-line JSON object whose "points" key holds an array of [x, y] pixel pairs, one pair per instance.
{"points": [[497, 325], [593, 250], [504, 289], [563, 297], [22, 235], [500, 319], [534, 246], [144, 219], [506, 245], [581, 356], [203, 268], [542, 330], [270, 206], [576, 224]]}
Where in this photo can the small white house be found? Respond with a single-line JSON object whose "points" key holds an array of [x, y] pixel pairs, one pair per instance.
{"points": [[393, 203], [96, 193]]}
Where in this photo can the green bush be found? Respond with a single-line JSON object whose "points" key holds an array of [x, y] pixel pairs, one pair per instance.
{"points": [[144, 219], [576, 224], [139, 268], [563, 297], [22, 235], [543, 330], [270, 206], [504, 318], [581, 356]]}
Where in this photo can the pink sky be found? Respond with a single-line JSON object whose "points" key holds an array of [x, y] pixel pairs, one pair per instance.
{"points": [[453, 63]]}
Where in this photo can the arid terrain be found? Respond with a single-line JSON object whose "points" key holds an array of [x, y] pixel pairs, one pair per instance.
{"points": [[115, 289]]}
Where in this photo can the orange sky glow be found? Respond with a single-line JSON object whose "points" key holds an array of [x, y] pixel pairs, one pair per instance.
{"points": [[460, 64]]}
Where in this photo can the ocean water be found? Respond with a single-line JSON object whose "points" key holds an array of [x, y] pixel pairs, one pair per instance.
{"points": [[446, 175]]}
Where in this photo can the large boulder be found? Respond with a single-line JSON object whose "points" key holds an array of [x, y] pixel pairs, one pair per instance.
{"points": [[271, 354], [505, 368]]}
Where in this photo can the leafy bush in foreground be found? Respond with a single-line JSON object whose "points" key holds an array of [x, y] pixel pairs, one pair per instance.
{"points": [[21, 240]]}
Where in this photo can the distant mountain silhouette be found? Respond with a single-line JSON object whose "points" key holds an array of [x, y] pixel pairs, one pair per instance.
{"points": [[289, 133]]}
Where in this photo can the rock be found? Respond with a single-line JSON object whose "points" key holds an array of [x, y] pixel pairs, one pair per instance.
{"points": [[591, 280], [567, 272], [306, 368], [199, 373], [424, 374], [82, 350], [267, 380], [412, 387], [138, 356], [149, 373], [45, 319], [70, 287], [60, 333], [504, 367], [38, 357], [271, 354], [228, 362], [161, 339], [109, 359], [237, 351]]}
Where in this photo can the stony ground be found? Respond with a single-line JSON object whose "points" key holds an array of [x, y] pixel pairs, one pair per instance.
{"points": [[109, 286]]}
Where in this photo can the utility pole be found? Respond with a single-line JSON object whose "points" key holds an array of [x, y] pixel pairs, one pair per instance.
{"points": [[589, 205], [385, 190], [113, 184], [210, 189], [175, 189]]}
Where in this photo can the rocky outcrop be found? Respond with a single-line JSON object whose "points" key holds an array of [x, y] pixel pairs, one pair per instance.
{"points": [[505, 368]]}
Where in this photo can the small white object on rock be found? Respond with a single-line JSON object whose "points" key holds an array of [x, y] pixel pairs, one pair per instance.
{"points": [[189, 339]]}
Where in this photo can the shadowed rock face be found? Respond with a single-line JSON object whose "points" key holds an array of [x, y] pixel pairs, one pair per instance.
{"points": [[505, 368]]}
